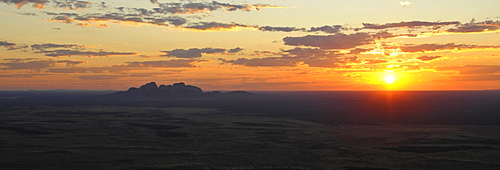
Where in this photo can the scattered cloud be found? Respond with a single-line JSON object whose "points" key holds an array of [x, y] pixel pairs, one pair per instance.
{"points": [[405, 3], [327, 29], [101, 77], [337, 41], [43, 47], [34, 64], [263, 62], [99, 20], [359, 50], [411, 24], [472, 27], [281, 29], [475, 69], [6, 44], [313, 57], [166, 63], [68, 53], [205, 7], [376, 61], [197, 53], [216, 26], [428, 58], [40, 4], [441, 47]]}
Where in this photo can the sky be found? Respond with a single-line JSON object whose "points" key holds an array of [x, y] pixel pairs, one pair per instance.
{"points": [[257, 45]]}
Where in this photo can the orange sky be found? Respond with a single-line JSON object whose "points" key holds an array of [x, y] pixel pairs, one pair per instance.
{"points": [[258, 45]]}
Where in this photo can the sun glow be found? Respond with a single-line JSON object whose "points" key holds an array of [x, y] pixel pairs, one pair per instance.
{"points": [[389, 79]]}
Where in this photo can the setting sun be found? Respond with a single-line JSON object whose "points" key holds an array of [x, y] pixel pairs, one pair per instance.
{"points": [[389, 79]]}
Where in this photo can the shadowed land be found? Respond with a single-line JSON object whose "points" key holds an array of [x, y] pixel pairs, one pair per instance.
{"points": [[266, 130]]}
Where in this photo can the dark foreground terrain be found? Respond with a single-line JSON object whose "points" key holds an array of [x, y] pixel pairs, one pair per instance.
{"points": [[299, 130]]}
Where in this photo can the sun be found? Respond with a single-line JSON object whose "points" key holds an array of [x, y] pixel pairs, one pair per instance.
{"points": [[389, 79]]}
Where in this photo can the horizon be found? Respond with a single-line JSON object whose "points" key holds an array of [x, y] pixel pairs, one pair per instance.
{"points": [[256, 46]]}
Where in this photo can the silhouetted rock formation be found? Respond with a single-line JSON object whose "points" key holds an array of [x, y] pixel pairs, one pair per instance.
{"points": [[152, 90]]}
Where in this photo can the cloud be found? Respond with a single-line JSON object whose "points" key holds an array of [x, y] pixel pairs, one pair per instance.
{"points": [[405, 3], [441, 47], [359, 50], [476, 69], [196, 52], [410, 24], [280, 29], [428, 58], [337, 41], [475, 72], [20, 3], [34, 64], [486, 26], [110, 69], [40, 4], [263, 62], [218, 26], [101, 77], [46, 46], [72, 4], [477, 78], [309, 52], [6, 44], [12, 46], [165, 63], [97, 19], [377, 61], [327, 29], [205, 7], [135, 65], [68, 53], [291, 58]]}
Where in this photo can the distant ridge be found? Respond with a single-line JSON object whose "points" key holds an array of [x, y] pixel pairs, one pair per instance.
{"points": [[152, 90]]}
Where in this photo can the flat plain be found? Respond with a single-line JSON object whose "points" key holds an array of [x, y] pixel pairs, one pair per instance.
{"points": [[141, 136]]}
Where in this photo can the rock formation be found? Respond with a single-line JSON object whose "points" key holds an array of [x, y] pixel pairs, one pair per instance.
{"points": [[152, 90]]}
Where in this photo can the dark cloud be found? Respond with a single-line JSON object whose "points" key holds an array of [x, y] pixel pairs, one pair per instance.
{"points": [[111, 69], [165, 63], [62, 53], [327, 29], [235, 50], [428, 58], [64, 4], [308, 52], [359, 50], [440, 47], [196, 52], [216, 26], [205, 7], [12, 46], [21, 3], [337, 41], [135, 65], [101, 77], [263, 62], [472, 27], [281, 29], [34, 64], [290, 58], [71, 4], [6, 44], [91, 19], [410, 24], [45, 46]]}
